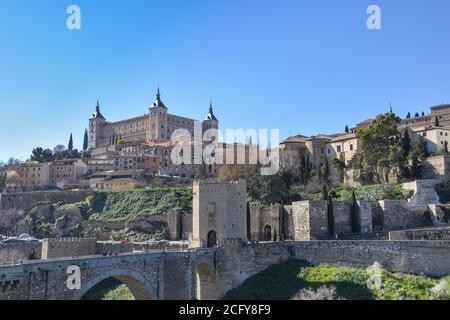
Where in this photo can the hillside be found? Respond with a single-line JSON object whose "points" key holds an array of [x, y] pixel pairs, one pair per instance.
{"points": [[285, 280], [108, 215]]}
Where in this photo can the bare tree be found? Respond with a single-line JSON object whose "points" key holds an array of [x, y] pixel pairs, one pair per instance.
{"points": [[321, 293]]}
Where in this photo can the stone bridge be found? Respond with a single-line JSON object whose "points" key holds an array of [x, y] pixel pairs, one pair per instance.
{"points": [[210, 273], [153, 275]]}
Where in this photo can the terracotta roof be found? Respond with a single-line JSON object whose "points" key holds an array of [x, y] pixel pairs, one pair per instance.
{"points": [[298, 138], [365, 122], [441, 106], [346, 136]]}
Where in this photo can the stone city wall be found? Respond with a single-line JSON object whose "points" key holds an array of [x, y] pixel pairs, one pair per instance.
{"points": [[16, 252], [400, 215], [66, 247], [236, 262], [179, 223], [421, 234], [264, 219]]}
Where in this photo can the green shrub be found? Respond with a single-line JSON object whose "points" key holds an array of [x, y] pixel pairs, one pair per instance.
{"points": [[120, 293]]}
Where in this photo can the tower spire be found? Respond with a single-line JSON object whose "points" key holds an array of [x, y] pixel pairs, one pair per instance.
{"points": [[97, 113], [158, 102], [211, 115]]}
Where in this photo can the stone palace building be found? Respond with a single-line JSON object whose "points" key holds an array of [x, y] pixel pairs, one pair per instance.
{"points": [[155, 126]]}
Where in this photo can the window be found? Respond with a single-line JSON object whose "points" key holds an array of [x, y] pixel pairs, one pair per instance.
{"points": [[424, 134], [339, 149], [351, 147]]}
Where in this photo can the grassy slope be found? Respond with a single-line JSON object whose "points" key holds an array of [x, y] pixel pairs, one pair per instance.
{"points": [[282, 281], [127, 205]]}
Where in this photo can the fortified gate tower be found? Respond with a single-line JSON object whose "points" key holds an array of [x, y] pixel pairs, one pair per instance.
{"points": [[219, 213]]}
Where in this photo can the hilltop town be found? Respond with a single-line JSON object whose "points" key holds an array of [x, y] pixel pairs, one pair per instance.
{"points": [[373, 193], [128, 153]]}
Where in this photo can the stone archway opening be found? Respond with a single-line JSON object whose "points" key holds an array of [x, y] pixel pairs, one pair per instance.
{"points": [[212, 239], [207, 285], [267, 236], [131, 286]]}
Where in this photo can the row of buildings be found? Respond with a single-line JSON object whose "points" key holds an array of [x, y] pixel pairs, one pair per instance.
{"points": [[433, 128], [122, 153], [125, 151]]}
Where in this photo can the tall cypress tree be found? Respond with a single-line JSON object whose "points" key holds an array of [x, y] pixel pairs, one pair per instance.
{"points": [[249, 232], [330, 212], [85, 140], [325, 170], [70, 145], [324, 192], [281, 222], [346, 129], [356, 229], [303, 171], [308, 168], [406, 144], [180, 227]]}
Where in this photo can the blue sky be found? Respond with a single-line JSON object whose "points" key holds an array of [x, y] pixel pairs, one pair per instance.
{"points": [[305, 67]]}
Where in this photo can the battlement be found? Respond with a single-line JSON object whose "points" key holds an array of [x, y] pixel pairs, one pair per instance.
{"points": [[66, 240]]}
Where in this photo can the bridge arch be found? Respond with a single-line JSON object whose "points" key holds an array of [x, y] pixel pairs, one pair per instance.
{"points": [[138, 284]]}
